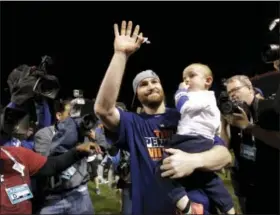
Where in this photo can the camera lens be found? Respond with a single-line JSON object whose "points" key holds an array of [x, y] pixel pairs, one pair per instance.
{"points": [[226, 107], [271, 53]]}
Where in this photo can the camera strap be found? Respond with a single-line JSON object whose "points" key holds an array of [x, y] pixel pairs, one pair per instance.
{"points": [[241, 131], [248, 151], [17, 166]]}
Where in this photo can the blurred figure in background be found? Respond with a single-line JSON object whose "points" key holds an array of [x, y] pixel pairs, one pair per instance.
{"points": [[276, 65]]}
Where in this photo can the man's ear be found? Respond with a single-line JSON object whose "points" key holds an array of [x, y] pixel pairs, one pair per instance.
{"points": [[58, 116]]}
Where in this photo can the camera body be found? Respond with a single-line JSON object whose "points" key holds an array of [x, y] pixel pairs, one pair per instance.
{"points": [[124, 166], [14, 122], [271, 52], [78, 93], [87, 122], [228, 106], [28, 82], [82, 112]]}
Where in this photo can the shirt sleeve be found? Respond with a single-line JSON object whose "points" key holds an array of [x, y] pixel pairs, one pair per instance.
{"points": [[126, 119], [218, 141], [101, 139], [116, 160], [42, 142], [33, 161], [120, 136], [192, 101]]}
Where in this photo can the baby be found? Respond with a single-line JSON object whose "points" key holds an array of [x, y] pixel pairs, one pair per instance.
{"points": [[199, 124]]}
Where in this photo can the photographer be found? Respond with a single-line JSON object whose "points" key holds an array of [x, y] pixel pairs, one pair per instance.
{"points": [[121, 162], [253, 134], [276, 65], [94, 162], [70, 185], [124, 183]]}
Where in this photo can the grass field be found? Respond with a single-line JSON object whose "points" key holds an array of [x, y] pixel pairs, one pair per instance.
{"points": [[108, 201]]}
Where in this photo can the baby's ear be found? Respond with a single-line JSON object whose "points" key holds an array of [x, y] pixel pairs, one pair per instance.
{"points": [[209, 81]]}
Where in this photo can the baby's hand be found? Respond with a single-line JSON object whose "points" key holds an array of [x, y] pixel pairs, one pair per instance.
{"points": [[183, 86]]}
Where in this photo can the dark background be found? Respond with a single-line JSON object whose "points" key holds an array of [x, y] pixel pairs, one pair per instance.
{"points": [[228, 36]]}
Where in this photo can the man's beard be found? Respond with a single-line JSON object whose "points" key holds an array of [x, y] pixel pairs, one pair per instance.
{"points": [[153, 102]]}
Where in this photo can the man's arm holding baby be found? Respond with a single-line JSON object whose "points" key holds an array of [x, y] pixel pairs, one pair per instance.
{"points": [[180, 164]]}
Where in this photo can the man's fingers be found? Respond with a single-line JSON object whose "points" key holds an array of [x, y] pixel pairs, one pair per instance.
{"points": [[123, 28], [136, 32], [167, 160], [168, 173], [96, 148], [171, 151], [237, 115], [228, 119], [175, 176], [129, 29], [166, 166], [116, 30], [140, 40], [242, 111]]}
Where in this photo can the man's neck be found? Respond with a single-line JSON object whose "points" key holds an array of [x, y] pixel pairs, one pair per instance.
{"points": [[152, 111], [250, 101]]}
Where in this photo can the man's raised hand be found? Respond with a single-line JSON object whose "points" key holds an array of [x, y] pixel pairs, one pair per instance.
{"points": [[126, 41]]}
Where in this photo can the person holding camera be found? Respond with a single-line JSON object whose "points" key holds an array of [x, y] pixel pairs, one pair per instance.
{"points": [[121, 162], [124, 182], [70, 185], [94, 160], [252, 132]]}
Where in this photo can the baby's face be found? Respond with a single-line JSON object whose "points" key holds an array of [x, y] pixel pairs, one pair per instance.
{"points": [[196, 77]]}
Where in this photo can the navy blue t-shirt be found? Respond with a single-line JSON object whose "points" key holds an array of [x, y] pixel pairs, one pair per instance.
{"points": [[144, 136]]}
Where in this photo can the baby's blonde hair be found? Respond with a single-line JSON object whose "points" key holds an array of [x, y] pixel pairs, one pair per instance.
{"points": [[206, 69]]}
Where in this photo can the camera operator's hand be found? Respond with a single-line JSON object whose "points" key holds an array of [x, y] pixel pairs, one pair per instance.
{"points": [[276, 65], [91, 134], [89, 148], [239, 120], [124, 41]]}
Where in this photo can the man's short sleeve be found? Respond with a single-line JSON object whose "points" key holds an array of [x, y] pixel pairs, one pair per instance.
{"points": [[218, 141], [101, 139], [120, 136], [33, 161], [42, 142]]}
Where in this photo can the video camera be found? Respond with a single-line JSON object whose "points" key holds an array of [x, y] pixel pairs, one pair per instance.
{"points": [[82, 111], [228, 106], [26, 82], [14, 122], [270, 81], [271, 52]]}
